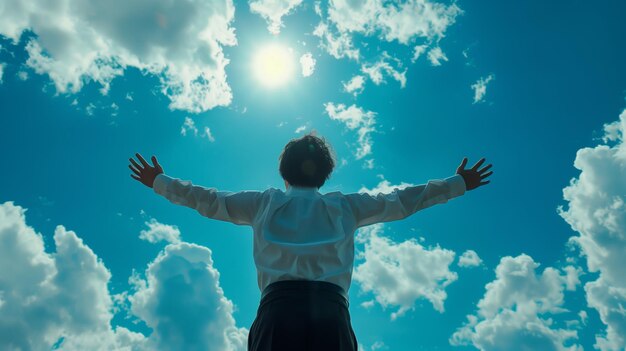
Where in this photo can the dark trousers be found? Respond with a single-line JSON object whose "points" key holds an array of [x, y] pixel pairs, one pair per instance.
{"points": [[301, 315]]}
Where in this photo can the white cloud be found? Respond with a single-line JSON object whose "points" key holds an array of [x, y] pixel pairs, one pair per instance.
{"points": [[49, 297], [62, 298], [480, 88], [179, 42], [376, 71], [182, 302], [418, 50], [160, 232], [597, 211], [22, 75], [338, 45], [300, 129], [379, 345], [2, 66], [470, 258], [355, 118], [369, 164], [355, 85], [385, 187], [398, 274], [515, 312], [393, 21], [208, 134], [273, 11], [188, 126], [308, 64], [612, 132], [435, 56], [417, 23]]}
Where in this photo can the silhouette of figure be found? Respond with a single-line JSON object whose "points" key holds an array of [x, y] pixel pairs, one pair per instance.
{"points": [[304, 240]]}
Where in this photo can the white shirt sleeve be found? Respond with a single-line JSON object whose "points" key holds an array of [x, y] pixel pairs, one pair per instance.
{"points": [[235, 207], [401, 203]]}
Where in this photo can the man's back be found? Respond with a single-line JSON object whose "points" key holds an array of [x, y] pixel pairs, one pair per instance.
{"points": [[301, 234]]}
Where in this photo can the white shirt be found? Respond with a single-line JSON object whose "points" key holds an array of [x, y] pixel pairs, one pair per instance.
{"points": [[300, 233]]}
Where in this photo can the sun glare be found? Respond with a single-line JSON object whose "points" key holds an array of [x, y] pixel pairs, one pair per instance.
{"points": [[274, 65]]}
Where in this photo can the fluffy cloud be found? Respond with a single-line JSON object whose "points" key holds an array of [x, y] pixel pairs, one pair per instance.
{"points": [[398, 274], [53, 298], [435, 56], [597, 211], [355, 85], [307, 62], [160, 232], [183, 303], [178, 41], [376, 71], [515, 312], [2, 65], [418, 50], [404, 22], [338, 45], [480, 88], [401, 21], [355, 118], [469, 258], [273, 11], [61, 300]]}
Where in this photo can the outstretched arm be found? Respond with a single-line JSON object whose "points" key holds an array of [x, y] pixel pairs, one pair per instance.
{"points": [[401, 203], [235, 207]]}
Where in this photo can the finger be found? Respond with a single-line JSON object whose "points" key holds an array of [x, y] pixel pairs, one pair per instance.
{"points": [[142, 160], [135, 164], [135, 177], [463, 163], [485, 182], [480, 162], [155, 162], [484, 169], [486, 175], [134, 170]]}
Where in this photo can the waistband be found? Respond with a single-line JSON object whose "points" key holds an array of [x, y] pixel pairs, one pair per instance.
{"points": [[304, 286]]}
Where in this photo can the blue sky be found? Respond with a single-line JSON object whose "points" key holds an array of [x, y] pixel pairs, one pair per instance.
{"points": [[84, 87]]}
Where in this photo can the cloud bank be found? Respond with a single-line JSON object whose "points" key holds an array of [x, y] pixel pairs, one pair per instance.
{"points": [[413, 22], [597, 211], [61, 301], [180, 42], [515, 312]]}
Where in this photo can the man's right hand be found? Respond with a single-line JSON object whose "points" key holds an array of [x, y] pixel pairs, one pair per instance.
{"points": [[145, 173], [474, 177]]}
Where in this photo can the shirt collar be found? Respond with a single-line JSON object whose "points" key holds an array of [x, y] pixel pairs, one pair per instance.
{"points": [[301, 190]]}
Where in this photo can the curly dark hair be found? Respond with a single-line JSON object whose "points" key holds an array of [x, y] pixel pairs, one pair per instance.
{"points": [[307, 161]]}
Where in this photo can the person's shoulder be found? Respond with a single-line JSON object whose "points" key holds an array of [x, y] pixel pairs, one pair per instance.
{"points": [[334, 194], [272, 191]]}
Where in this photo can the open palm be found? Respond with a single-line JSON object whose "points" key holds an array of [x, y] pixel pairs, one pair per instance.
{"points": [[144, 172], [474, 177]]}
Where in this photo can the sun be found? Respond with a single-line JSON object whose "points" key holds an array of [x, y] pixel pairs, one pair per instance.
{"points": [[273, 65]]}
